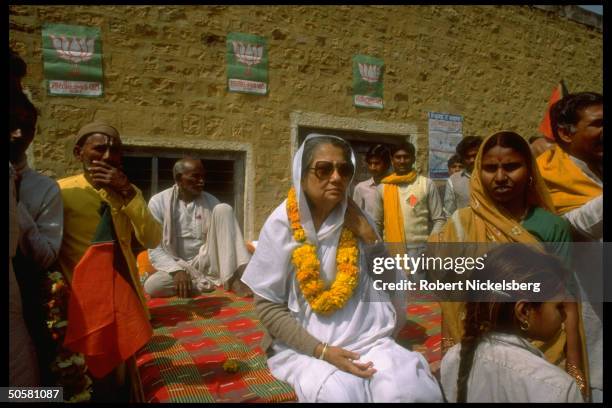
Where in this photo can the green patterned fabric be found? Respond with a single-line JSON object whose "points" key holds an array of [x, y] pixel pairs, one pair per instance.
{"points": [[192, 339]]}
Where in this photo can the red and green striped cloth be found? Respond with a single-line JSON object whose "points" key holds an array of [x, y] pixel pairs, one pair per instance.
{"points": [[183, 361]]}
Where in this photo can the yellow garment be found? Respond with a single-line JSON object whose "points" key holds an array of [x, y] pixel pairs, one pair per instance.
{"points": [[81, 218], [569, 187], [393, 218], [484, 222]]}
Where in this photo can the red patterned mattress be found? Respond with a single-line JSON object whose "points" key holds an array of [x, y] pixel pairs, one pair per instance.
{"points": [[192, 339]]}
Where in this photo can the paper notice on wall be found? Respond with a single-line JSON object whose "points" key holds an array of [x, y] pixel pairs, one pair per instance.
{"points": [[72, 60], [367, 82], [247, 64], [445, 132]]}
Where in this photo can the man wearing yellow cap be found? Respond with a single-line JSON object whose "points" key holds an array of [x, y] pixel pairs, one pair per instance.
{"points": [[107, 316]]}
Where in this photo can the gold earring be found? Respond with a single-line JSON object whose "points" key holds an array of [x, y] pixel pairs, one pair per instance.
{"points": [[524, 325]]}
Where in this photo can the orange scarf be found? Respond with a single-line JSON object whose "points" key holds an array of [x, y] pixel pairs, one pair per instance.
{"points": [[106, 321], [569, 187], [483, 222], [393, 217]]}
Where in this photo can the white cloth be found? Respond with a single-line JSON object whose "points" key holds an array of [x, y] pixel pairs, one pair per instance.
{"points": [[23, 364], [41, 216], [588, 219], [507, 368], [360, 326], [209, 248]]}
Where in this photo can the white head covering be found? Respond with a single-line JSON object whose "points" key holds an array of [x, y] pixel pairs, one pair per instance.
{"points": [[335, 220], [361, 326], [268, 272]]}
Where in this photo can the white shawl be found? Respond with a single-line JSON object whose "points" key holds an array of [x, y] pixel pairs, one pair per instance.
{"points": [[271, 275], [364, 325], [198, 267]]}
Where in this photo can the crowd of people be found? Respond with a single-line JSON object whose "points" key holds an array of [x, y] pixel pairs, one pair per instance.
{"points": [[309, 277]]}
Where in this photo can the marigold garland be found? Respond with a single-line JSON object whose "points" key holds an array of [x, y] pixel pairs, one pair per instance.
{"points": [[323, 301], [68, 368], [231, 366]]}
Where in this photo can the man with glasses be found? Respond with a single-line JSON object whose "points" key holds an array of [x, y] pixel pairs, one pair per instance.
{"points": [[202, 246]]}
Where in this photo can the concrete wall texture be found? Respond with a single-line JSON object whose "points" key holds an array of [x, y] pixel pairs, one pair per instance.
{"points": [[165, 74]]}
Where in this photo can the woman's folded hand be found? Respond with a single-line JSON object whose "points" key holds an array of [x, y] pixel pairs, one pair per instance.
{"points": [[346, 361]]}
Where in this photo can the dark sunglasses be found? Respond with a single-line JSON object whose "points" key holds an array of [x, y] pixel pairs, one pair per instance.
{"points": [[324, 169]]}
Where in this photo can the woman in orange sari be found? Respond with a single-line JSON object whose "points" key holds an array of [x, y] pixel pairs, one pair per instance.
{"points": [[509, 203]]}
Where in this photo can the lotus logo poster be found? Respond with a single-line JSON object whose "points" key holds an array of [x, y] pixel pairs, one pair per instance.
{"points": [[368, 81], [247, 63], [445, 133], [72, 60]]}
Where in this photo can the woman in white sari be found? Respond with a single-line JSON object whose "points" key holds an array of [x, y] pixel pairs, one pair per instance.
{"points": [[311, 284]]}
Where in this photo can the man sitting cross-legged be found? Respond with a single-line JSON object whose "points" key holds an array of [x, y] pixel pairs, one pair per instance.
{"points": [[202, 245]]}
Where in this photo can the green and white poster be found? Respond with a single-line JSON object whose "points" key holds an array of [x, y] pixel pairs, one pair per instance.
{"points": [[247, 63], [72, 57], [367, 81]]}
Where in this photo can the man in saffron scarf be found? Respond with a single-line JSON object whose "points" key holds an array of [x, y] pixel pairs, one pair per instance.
{"points": [[573, 170], [107, 316], [412, 207]]}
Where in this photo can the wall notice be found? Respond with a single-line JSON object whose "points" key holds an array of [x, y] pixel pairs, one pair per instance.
{"points": [[72, 60], [247, 64], [445, 132]]}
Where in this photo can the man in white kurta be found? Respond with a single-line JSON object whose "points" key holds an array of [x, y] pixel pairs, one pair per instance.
{"points": [[202, 245]]}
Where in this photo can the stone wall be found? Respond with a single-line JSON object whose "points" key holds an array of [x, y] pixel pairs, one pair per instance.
{"points": [[165, 78]]}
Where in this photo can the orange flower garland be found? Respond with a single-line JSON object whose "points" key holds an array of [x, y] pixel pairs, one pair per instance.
{"points": [[321, 300]]}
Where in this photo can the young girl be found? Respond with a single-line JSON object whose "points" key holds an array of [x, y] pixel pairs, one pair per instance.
{"points": [[495, 361]]}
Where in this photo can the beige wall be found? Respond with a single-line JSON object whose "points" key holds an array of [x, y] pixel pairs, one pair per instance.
{"points": [[164, 71]]}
